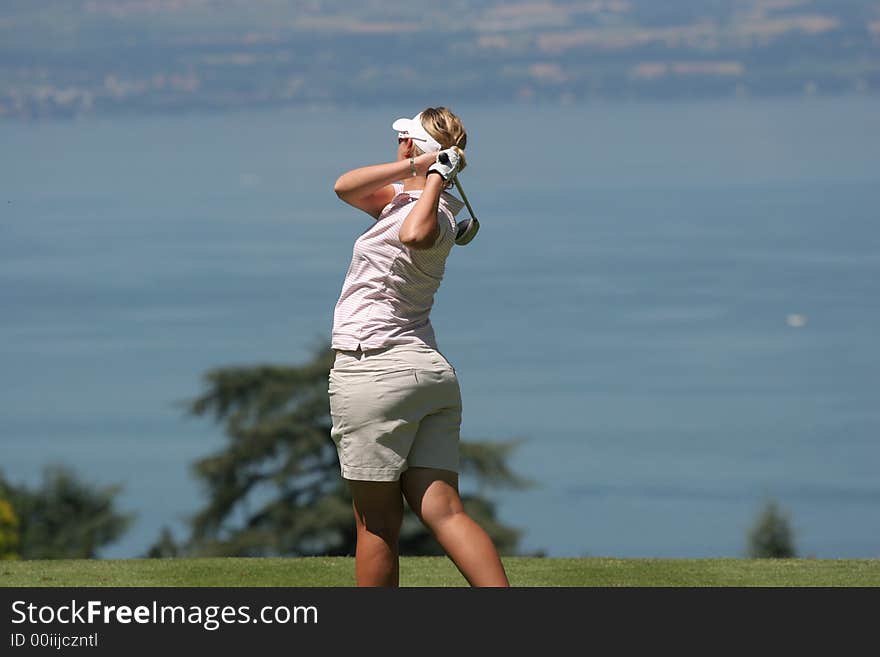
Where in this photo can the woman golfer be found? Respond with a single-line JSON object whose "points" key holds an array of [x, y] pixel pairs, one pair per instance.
{"points": [[394, 398]]}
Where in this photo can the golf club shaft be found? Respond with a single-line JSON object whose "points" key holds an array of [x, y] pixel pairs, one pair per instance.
{"points": [[464, 197], [444, 158]]}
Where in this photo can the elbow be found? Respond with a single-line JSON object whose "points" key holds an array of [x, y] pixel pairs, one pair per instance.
{"points": [[417, 241], [339, 188]]}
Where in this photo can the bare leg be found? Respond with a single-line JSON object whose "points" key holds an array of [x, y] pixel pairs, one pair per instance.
{"points": [[378, 512], [433, 496]]}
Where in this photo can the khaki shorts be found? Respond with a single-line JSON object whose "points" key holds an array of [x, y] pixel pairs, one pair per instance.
{"points": [[394, 408]]}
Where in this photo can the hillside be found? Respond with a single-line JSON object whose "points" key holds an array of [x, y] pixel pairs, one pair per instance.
{"points": [[126, 56]]}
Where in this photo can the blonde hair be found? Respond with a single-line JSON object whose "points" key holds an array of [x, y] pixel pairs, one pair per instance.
{"points": [[446, 128]]}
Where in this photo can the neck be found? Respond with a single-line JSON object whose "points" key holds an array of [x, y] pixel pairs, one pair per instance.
{"points": [[412, 184]]}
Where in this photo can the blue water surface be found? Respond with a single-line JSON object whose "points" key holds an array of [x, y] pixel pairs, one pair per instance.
{"points": [[673, 306]]}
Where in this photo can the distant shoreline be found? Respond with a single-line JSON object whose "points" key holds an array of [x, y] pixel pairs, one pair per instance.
{"points": [[356, 105]]}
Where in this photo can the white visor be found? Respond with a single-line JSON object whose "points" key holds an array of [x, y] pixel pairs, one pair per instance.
{"points": [[413, 129]]}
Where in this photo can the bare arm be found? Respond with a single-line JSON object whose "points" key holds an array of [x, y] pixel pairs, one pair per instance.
{"points": [[369, 188], [420, 229]]}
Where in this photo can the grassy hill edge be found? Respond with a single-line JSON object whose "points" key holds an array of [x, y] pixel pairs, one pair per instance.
{"points": [[438, 571]]}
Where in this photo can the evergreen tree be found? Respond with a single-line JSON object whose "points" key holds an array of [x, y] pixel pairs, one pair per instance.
{"points": [[65, 518], [8, 531], [275, 488], [771, 536], [165, 547]]}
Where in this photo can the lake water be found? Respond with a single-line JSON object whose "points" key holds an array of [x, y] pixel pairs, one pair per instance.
{"points": [[673, 306]]}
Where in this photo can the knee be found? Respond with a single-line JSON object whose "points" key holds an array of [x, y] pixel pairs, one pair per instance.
{"points": [[386, 528], [439, 511]]}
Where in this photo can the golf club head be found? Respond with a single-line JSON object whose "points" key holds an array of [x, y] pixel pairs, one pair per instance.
{"points": [[466, 230]]}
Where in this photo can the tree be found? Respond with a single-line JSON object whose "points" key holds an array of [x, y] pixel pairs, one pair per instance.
{"points": [[275, 488], [9, 537], [65, 518], [165, 547], [771, 536]]}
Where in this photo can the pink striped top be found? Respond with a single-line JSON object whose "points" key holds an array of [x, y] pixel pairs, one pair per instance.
{"points": [[389, 289]]}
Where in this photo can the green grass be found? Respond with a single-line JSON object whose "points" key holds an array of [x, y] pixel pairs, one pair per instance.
{"points": [[437, 571]]}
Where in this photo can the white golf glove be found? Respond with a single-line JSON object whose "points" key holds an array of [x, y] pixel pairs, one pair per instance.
{"points": [[447, 164]]}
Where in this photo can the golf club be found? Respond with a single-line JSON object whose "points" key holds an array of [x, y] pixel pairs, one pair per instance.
{"points": [[467, 228]]}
